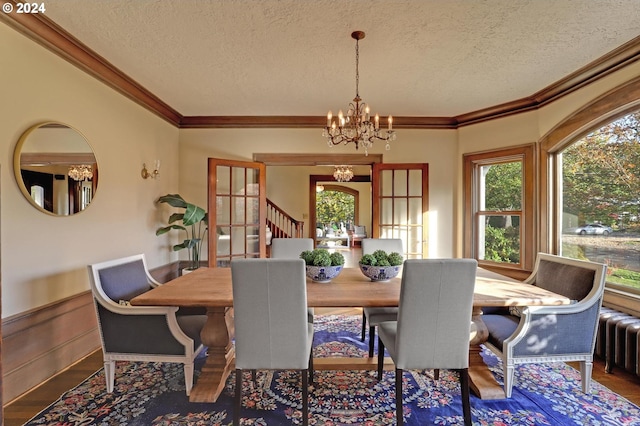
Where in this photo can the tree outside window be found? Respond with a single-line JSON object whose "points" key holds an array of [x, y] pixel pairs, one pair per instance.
{"points": [[334, 209], [600, 189]]}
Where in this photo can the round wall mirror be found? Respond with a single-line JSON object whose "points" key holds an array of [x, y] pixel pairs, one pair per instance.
{"points": [[56, 169]]}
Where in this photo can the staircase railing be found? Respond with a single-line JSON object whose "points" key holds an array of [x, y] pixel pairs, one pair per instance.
{"points": [[281, 223]]}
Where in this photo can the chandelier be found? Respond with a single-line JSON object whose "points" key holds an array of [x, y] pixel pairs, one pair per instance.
{"points": [[80, 172], [343, 173], [357, 127]]}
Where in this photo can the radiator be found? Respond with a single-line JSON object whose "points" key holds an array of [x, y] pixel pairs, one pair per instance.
{"points": [[618, 340]]}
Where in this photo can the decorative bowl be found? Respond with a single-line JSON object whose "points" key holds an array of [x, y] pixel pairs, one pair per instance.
{"points": [[380, 273], [323, 274]]}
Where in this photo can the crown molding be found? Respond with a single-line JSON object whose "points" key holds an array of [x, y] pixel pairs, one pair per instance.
{"points": [[50, 35], [47, 33]]}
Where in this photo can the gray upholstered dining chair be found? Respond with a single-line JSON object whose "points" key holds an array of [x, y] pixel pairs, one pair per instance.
{"points": [[271, 327], [538, 334], [434, 322], [290, 248], [140, 333], [370, 315]]}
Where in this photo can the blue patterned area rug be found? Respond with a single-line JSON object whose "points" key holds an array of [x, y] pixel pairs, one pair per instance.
{"points": [[153, 394]]}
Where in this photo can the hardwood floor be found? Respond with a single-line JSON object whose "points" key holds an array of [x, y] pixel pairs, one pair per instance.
{"points": [[22, 409]]}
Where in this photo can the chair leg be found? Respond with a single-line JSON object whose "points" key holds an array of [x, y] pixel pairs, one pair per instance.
{"points": [[238, 398], [188, 377], [305, 397], [311, 370], [464, 386], [372, 339], [254, 376], [586, 369], [436, 374], [364, 326], [399, 414], [110, 374], [380, 358]]}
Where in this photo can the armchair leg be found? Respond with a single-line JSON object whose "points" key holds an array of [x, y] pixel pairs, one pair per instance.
{"points": [[380, 358], [188, 377], [399, 414], [464, 386], [586, 368], [364, 326], [372, 337], [509, 374], [238, 398], [110, 374], [311, 370]]}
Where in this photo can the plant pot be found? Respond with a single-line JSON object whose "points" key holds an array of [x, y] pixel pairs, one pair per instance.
{"points": [[380, 273], [323, 274]]}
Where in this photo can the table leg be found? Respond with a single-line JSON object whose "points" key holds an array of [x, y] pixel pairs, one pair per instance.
{"points": [[217, 335], [481, 380]]}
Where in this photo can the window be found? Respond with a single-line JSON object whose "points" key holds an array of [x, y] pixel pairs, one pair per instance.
{"points": [[499, 207], [599, 187]]}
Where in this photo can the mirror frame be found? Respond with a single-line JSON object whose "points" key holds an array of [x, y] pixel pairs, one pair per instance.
{"points": [[18, 170]]}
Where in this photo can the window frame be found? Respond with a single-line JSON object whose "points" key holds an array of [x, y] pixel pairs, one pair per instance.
{"points": [[472, 164]]}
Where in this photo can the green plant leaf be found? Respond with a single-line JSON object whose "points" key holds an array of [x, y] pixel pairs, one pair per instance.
{"points": [[193, 214], [166, 229], [173, 200]]}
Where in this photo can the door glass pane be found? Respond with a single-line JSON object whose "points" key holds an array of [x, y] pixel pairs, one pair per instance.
{"points": [[386, 232], [415, 183], [400, 183], [253, 213], [386, 182], [386, 210], [238, 240], [415, 242], [499, 238], [400, 211], [252, 239], [252, 182], [223, 176], [223, 212], [237, 212], [415, 211], [224, 241], [238, 180]]}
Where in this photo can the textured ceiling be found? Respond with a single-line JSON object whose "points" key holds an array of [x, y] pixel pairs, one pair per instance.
{"points": [[423, 58]]}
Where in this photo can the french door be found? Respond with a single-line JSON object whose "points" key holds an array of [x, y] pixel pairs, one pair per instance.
{"points": [[237, 205], [400, 197]]}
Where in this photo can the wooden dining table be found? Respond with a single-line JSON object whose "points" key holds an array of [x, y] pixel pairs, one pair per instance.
{"points": [[212, 288]]}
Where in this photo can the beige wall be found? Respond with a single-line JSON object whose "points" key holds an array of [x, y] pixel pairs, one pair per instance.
{"points": [[44, 258], [438, 148]]}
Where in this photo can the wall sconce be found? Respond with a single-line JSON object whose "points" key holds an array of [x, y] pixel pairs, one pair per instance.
{"points": [[153, 174]]}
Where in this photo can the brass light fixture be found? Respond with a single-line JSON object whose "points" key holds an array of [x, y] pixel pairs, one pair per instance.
{"points": [[356, 127], [343, 173]]}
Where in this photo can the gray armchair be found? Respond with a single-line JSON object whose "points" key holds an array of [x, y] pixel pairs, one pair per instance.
{"points": [[434, 321], [271, 327], [551, 333], [374, 316], [140, 333]]}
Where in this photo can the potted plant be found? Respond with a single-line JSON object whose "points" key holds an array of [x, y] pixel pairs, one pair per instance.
{"points": [[322, 266], [193, 221], [380, 266]]}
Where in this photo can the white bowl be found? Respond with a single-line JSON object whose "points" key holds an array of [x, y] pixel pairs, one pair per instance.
{"points": [[323, 274], [380, 273]]}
